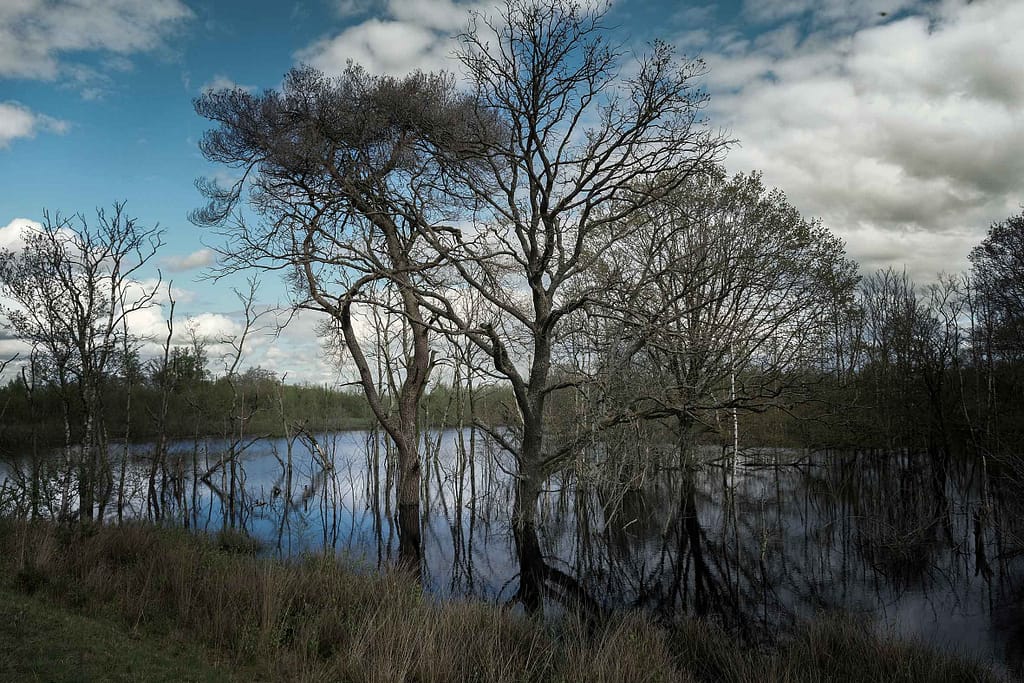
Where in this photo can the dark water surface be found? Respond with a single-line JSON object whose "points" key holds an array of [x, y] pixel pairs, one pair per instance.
{"points": [[919, 545]]}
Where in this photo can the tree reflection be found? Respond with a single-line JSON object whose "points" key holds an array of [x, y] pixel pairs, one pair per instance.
{"points": [[784, 536]]}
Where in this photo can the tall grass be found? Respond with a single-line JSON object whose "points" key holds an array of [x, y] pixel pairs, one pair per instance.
{"points": [[316, 620]]}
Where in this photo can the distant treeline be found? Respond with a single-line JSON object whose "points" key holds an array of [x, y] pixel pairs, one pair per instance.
{"points": [[938, 368], [198, 405], [903, 407]]}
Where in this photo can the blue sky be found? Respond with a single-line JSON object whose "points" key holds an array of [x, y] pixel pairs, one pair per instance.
{"points": [[898, 122]]}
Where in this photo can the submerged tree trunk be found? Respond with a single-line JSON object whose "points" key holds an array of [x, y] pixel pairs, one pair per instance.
{"points": [[402, 428], [417, 374], [410, 554], [528, 552]]}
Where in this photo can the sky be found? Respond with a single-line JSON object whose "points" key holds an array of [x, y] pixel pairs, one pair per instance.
{"points": [[898, 123]]}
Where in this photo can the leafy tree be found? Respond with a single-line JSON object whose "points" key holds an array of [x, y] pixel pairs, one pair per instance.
{"points": [[184, 366]]}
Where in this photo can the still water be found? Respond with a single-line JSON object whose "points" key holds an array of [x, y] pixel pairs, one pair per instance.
{"points": [[920, 547]]}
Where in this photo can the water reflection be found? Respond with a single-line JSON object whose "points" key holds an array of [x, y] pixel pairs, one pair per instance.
{"points": [[925, 546]]}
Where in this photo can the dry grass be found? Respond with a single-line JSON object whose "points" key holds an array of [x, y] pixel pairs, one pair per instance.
{"points": [[833, 648], [315, 620]]}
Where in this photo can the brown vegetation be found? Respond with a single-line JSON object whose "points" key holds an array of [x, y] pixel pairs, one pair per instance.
{"points": [[317, 620]]}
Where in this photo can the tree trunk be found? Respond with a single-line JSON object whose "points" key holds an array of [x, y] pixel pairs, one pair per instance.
{"points": [[524, 527], [410, 553]]}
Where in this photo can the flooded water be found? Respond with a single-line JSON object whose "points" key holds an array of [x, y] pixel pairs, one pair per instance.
{"points": [[919, 546]]}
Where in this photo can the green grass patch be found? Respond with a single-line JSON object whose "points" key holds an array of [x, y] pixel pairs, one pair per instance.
{"points": [[40, 641]]}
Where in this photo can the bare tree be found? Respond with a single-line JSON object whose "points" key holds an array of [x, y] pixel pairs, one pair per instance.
{"points": [[161, 371], [568, 150], [893, 319], [3, 366], [74, 285], [998, 275], [997, 335], [939, 344], [342, 175], [240, 408], [734, 298]]}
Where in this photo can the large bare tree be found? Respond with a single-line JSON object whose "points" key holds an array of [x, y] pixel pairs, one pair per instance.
{"points": [[734, 295], [996, 296], [342, 176], [572, 138], [997, 269]]}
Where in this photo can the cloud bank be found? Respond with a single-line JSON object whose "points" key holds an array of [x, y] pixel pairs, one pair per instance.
{"points": [[405, 36], [903, 127], [37, 36], [11, 234], [197, 259]]}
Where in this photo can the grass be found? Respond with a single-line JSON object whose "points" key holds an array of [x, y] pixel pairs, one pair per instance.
{"points": [[152, 592], [42, 642]]}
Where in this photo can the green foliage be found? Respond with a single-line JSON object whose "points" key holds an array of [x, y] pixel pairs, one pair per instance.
{"points": [[198, 405], [42, 642], [185, 367], [195, 406]]}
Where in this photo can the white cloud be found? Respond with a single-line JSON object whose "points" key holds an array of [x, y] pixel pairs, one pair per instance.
{"points": [[11, 234], [15, 122], [440, 15], [830, 15], [905, 134], [390, 47], [197, 259], [159, 286], [297, 352], [214, 325], [18, 121], [35, 35], [352, 8], [411, 35]]}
